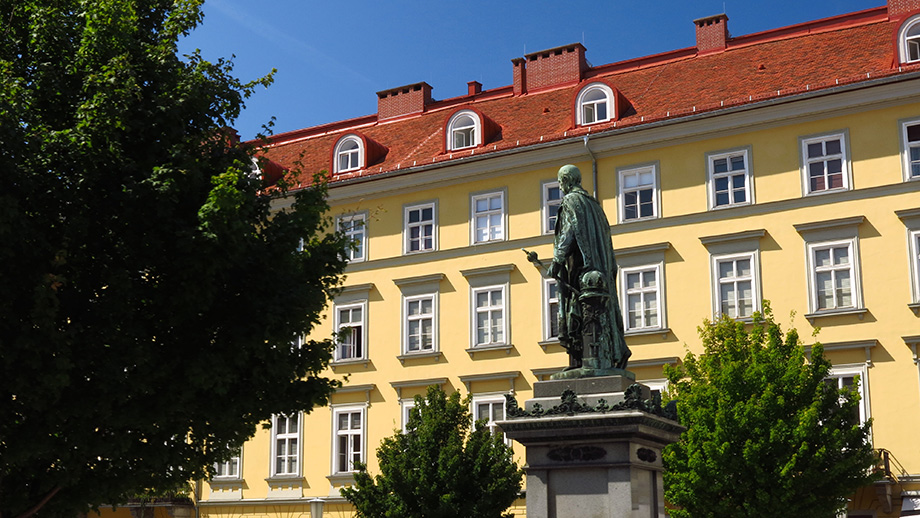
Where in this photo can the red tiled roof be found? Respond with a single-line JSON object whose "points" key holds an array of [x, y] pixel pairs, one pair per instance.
{"points": [[787, 61]]}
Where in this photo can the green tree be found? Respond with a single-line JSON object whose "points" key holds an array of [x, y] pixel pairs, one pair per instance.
{"points": [[439, 468], [766, 435], [149, 297]]}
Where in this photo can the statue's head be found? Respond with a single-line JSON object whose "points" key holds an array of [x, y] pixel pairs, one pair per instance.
{"points": [[569, 177]]}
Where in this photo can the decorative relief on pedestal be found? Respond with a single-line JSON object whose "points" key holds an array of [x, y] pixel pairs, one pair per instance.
{"points": [[646, 455], [569, 405], [577, 453]]}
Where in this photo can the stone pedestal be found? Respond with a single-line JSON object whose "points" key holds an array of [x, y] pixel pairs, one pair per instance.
{"points": [[592, 449]]}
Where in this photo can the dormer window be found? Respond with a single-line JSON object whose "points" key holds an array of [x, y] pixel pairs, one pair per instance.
{"points": [[464, 131], [349, 154], [595, 104], [910, 40]]}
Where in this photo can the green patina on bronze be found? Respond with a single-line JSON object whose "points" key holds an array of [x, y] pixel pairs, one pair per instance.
{"points": [[584, 266]]}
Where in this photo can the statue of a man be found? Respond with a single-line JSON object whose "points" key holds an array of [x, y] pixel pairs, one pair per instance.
{"points": [[590, 322]]}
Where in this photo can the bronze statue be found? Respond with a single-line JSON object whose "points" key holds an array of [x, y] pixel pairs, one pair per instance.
{"points": [[590, 321]]}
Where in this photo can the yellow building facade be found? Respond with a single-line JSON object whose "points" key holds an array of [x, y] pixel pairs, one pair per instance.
{"points": [[801, 187]]}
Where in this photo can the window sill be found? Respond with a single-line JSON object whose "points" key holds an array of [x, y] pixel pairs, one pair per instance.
{"points": [[283, 479], [341, 478], [419, 356], [485, 348], [663, 331], [416, 252], [915, 307], [636, 220], [348, 363], [546, 343], [827, 191], [730, 206], [860, 312], [224, 482]]}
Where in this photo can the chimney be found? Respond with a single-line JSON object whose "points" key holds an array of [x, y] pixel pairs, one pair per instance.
{"points": [[547, 68], [898, 8], [520, 75], [473, 87], [711, 34], [403, 100]]}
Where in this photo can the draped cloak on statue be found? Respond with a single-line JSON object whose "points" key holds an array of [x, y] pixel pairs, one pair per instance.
{"points": [[582, 245]]}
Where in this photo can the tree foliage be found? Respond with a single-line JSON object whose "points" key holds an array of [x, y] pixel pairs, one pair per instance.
{"points": [[439, 468], [766, 435], [150, 299]]}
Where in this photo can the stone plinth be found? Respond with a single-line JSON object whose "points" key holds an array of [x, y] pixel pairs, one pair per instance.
{"points": [[591, 458]]}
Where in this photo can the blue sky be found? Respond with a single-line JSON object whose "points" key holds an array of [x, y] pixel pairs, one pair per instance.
{"points": [[333, 56]]}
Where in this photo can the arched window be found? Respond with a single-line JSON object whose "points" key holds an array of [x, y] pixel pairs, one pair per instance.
{"points": [[595, 104], [909, 40], [464, 130], [349, 154]]}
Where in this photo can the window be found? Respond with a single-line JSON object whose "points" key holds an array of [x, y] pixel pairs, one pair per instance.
{"points": [[735, 289], [488, 219], [825, 164], [854, 378], [833, 270], [551, 309], [421, 228], [552, 198], [729, 179], [489, 316], [909, 40], [229, 468], [594, 104], [349, 152], [406, 406], [420, 322], [350, 331], [641, 293], [353, 225], [348, 445], [914, 247], [910, 147], [463, 130], [286, 445], [638, 193], [490, 410]]}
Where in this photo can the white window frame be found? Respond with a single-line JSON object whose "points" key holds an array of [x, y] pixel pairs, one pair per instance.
{"points": [[625, 292], [407, 227], [354, 226], [713, 177], [852, 245], [753, 278], [905, 44], [623, 191], [407, 318], [549, 313], [851, 370], [361, 334], [473, 130], [476, 310], [581, 104], [405, 406], [913, 248], [350, 433], [287, 437], [231, 468], [489, 399], [843, 156], [355, 155], [550, 207], [906, 147], [489, 213]]}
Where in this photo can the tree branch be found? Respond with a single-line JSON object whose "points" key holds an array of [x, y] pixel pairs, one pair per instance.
{"points": [[40, 504]]}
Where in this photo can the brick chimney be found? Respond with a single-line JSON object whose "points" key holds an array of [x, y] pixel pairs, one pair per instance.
{"points": [[473, 87], [711, 34], [403, 100], [558, 66], [897, 8]]}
